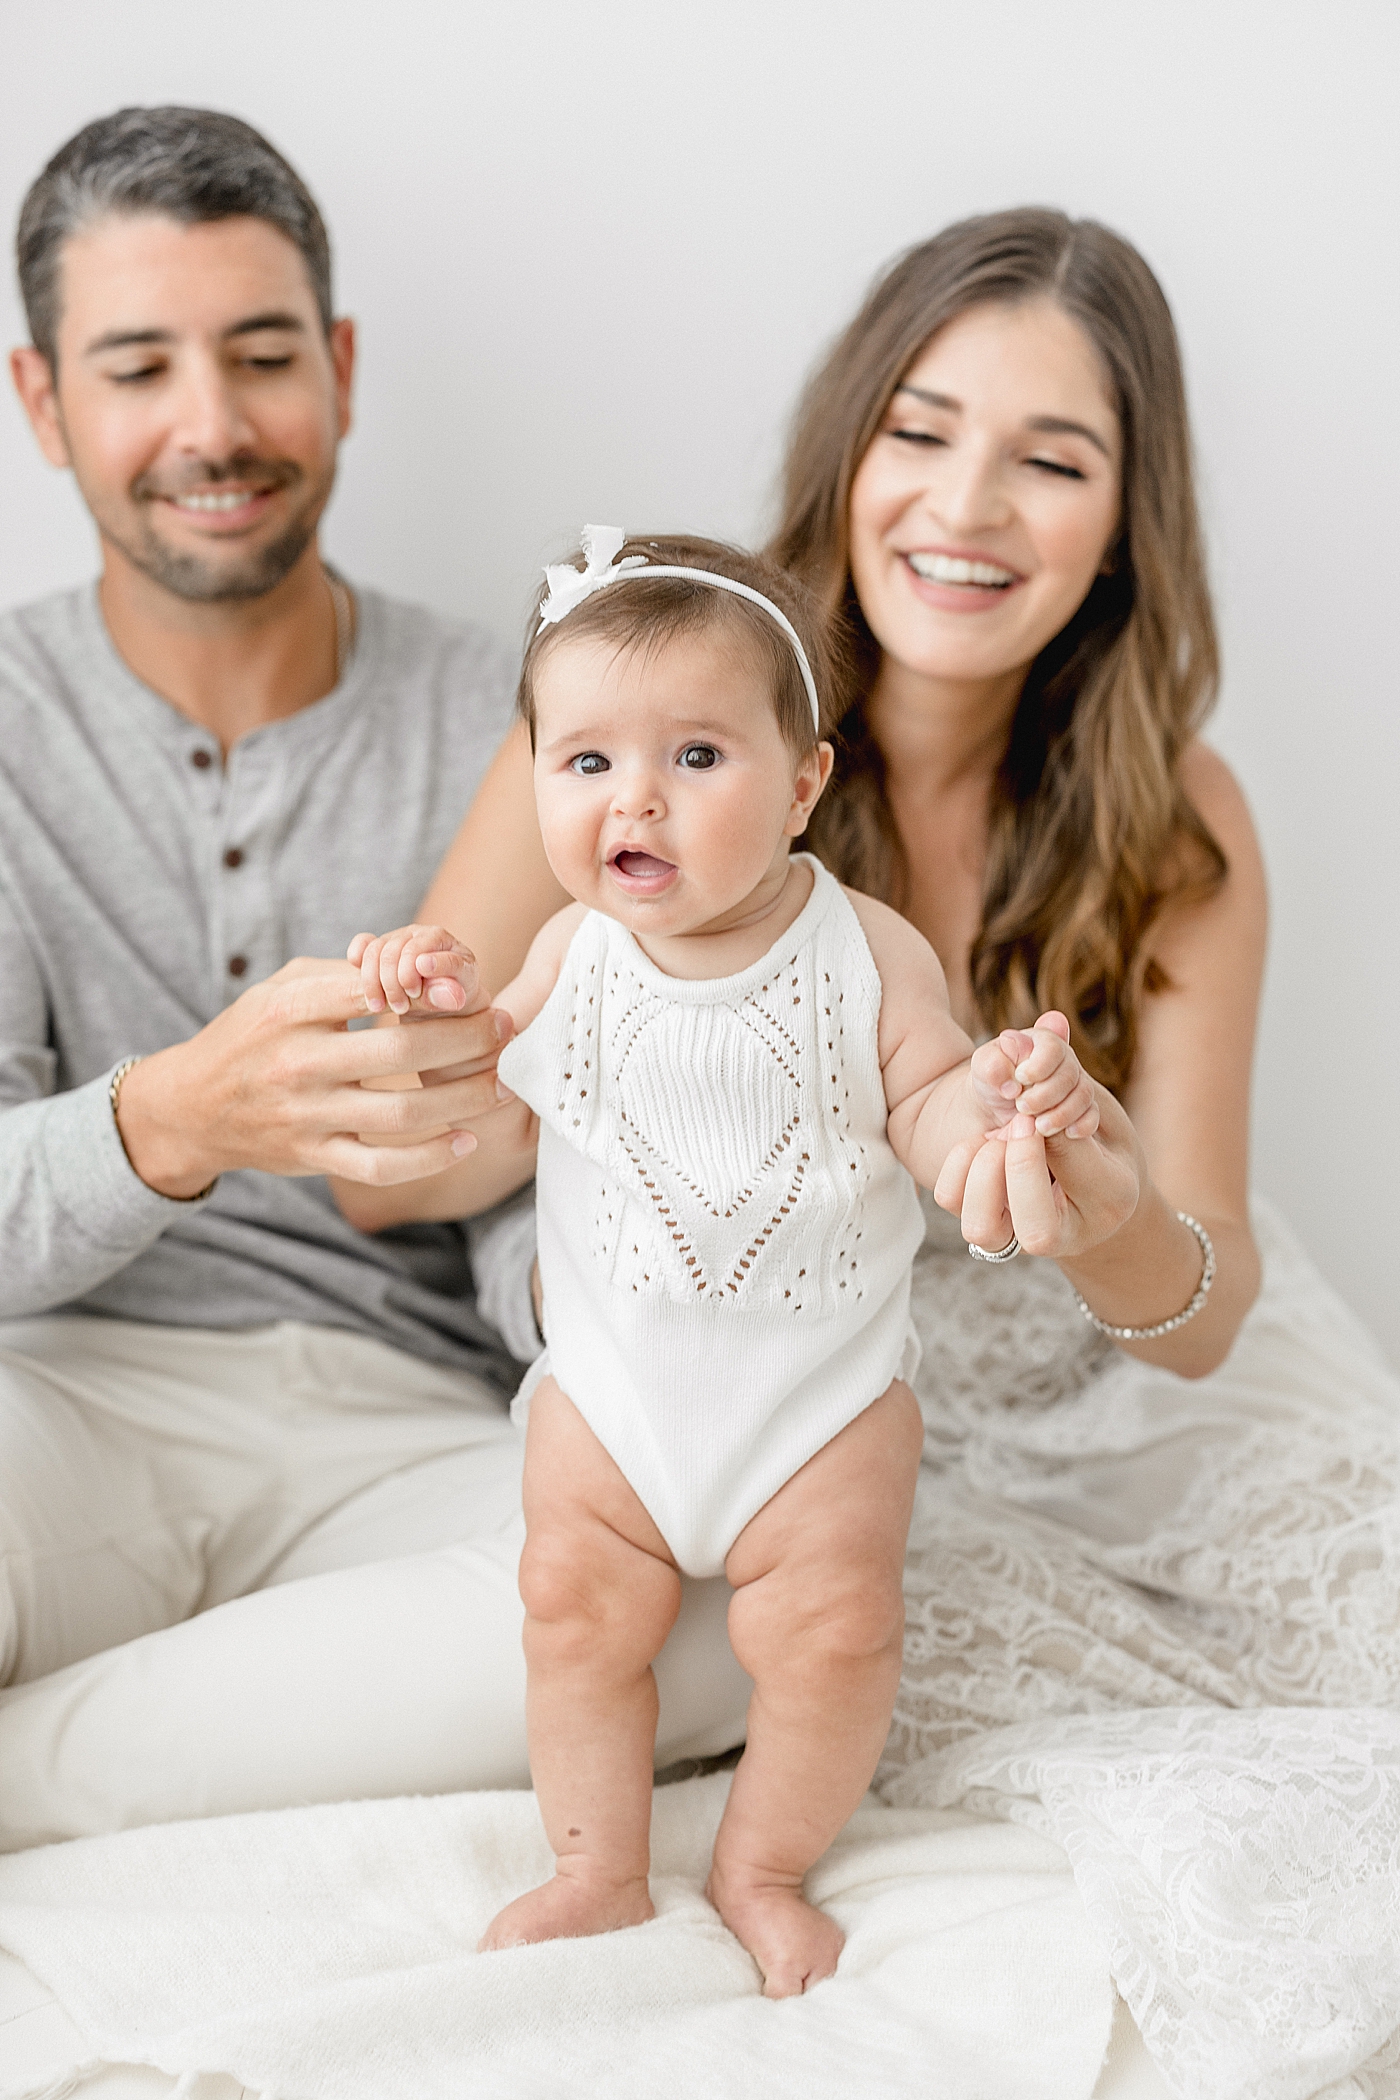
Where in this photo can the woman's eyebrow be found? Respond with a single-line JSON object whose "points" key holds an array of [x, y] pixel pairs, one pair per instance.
{"points": [[1064, 426], [921, 393]]}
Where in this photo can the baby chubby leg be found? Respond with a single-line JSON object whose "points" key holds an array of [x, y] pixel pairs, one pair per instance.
{"points": [[601, 1594], [817, 1620]]}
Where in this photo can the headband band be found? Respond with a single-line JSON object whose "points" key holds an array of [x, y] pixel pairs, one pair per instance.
{"points": [[569, 587]]}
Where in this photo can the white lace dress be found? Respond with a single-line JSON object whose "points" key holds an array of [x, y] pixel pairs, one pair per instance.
{"points": [[1160, 1619]]}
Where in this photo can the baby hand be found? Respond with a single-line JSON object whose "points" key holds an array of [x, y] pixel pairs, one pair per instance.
{"points": [[397, 969], [1033, 1072]]}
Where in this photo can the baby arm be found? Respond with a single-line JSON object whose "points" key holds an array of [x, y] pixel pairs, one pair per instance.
{"points": [[406, 974], [942, 1095]]}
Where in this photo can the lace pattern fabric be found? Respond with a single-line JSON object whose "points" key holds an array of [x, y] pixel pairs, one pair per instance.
{"points": [[1162, 1618]]}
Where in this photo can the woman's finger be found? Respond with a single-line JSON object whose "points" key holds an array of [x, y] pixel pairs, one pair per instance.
{"points": [[952, 1179], [1031, 1196], [986, 1213]]}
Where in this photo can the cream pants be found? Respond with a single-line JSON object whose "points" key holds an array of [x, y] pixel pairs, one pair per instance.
{"points": [[248, 1570]]}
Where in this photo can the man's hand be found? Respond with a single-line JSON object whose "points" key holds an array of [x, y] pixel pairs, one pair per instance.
{"points": [[274, 1083]]}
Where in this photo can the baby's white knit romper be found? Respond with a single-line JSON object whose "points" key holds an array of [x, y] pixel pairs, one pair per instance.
{"points": [[725, 1235]]}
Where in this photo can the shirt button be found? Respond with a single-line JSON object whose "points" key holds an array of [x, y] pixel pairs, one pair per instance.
{"points": [[237, 965], [233, 858], [202, 759]]}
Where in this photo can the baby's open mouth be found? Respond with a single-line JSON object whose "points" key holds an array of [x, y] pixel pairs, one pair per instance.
{"points": [[641, 867]]}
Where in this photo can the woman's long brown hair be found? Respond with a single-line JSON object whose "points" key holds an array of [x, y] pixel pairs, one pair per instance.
{"points": [[1090, 832]]}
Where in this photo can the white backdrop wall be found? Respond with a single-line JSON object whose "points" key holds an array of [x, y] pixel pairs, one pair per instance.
{"points": [[594, 248]]}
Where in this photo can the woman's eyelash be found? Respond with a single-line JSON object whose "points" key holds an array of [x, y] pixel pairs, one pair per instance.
{"points": [[1058, 466], [931, 437]]}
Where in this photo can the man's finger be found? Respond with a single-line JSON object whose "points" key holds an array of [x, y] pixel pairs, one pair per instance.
{"points": [[382, 1166], [313, 989], [383, 1053], [413, 1111]]}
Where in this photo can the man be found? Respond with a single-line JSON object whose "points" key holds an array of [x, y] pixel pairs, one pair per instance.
{"points": [[259, 1497]]}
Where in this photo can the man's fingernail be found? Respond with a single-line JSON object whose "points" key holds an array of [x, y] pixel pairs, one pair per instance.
{"points": [[503, 1092], [462, 1143], [505, 1027]]}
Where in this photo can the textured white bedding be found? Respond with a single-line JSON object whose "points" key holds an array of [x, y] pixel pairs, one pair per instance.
{"points": [[325, 1954]]}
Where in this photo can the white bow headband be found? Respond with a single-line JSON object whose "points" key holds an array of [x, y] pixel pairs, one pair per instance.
{"points": [[569, 587]]}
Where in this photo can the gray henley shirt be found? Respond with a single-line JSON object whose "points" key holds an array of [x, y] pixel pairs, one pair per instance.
{"points": [[143, 885]]}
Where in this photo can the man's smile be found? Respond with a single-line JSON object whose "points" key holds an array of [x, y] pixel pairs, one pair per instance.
{"points": [[217, 498]]}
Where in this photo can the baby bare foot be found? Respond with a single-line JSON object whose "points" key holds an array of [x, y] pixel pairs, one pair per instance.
{"points": [[568, 1909], [794, 1944]]}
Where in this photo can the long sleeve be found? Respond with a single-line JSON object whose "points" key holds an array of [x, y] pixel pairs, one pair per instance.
{"points": [[72, 1211]]}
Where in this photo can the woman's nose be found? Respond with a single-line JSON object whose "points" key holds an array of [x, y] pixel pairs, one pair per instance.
{"points": [[970, 495]]}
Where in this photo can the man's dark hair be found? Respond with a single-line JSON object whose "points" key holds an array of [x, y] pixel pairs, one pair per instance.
{"points": [[189, 164]]}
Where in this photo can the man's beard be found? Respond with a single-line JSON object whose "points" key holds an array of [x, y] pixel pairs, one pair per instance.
{"points": [[201, 581]]}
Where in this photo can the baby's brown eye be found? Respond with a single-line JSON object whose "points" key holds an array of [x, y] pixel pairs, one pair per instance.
{"points": [[589, 763], [698, 758]]}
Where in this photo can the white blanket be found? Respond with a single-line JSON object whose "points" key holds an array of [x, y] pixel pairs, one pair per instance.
{"points": [[326, 1954]]}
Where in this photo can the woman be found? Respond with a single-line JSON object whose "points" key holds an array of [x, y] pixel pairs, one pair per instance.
{"points": [[1130, 1504]]}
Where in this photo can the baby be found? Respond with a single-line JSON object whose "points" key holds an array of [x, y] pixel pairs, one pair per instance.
{"points": [[737, 1071]]}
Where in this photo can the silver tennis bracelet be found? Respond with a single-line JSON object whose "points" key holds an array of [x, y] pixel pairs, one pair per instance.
{"points": [[1188, 1312]]}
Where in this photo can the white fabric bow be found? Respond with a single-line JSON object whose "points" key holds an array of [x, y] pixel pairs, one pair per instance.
{"points": [[569, 586]]}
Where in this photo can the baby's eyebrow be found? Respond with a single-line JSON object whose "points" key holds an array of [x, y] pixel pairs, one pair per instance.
{"points": [[574, 739]]}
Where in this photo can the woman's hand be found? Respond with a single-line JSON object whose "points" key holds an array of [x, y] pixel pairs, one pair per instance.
{"points": [[1059, 1195]]}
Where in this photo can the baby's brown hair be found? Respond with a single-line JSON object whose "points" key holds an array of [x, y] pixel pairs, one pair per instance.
{"points": [[650, 611]]}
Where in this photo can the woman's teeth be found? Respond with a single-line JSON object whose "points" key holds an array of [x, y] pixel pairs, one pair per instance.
{"points": [[949, 568], [217, 499]]}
